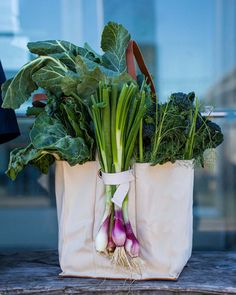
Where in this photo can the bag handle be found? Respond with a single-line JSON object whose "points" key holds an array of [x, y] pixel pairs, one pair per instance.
{"points": [[132, 51], [38, 98]]}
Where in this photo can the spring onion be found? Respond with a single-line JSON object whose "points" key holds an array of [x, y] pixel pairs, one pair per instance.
{"points": [[117, 112]]}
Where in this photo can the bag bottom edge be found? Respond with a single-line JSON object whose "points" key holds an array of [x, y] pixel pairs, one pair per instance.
{"points": [[62, 275]]}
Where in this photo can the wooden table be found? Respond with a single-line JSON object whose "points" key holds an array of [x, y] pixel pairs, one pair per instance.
{"points": [[37, 273]]}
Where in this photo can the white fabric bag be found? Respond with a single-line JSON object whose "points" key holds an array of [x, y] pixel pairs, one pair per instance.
{"points": [[160, 211]]}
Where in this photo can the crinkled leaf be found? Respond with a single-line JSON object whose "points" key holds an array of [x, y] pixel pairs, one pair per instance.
{"points": [[115, 39], [49, 134], [20, 157], [79, 122], [73, 116], [53, 104], [89, 82], [89, 79]]}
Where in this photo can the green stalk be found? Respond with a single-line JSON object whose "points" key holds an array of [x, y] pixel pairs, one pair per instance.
{"points": [[95, 114], [134, 131], [140, 112], [126, 106], [124, 117], [141, 141], [193, 131], [121, 99], [158, 135], [132, 113], [96, 127], [118, 164], [114, 96], [102, 123], [188, 153], [106, 127], [125, 209]]}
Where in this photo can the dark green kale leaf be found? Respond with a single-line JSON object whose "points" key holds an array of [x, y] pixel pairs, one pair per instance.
{"points": [[181, 133]]}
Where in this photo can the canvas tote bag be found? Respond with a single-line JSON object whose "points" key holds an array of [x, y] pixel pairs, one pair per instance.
{"points": [[160, 211]]}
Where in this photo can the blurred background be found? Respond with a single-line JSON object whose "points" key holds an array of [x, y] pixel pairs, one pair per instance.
{"points": [[188, 45]]}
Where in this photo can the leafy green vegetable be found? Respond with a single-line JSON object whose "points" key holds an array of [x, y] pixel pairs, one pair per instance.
{"points": [[52, 46], [17, 90], [44, 70], [78, 118], [21, 157], [64, 68], [50, 76], [34, 111], [89, 78], [64, 50], [49, 134], [67, 125], [91, 65], [179, 132], [97, 57], [115, 39]]}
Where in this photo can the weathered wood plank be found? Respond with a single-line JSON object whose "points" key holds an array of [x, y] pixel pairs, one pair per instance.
{"points": [[37, 273]]}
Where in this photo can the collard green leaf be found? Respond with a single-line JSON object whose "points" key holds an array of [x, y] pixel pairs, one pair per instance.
{"points": [[89, 82], [50, 135], [53, 104], [50, 76], [21, 157], [89, 79], [5, 86], [91, 65], [73, 116], [115, 39], [97, 57], [66, 58], [54, 46], [44, 161], [17, 90], [64, 50], [69, 84]]}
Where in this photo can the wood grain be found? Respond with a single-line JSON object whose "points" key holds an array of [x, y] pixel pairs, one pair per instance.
{"points": [[37, 273]]}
